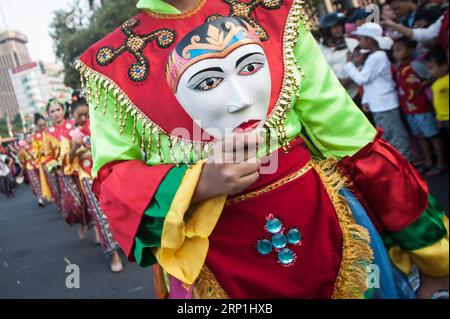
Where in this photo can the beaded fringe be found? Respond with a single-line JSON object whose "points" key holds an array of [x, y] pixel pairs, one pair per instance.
{"points": [[99, 89]]}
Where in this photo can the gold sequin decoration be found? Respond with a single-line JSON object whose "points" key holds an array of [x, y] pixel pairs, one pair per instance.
{"points": [[290, 83], [351, 282], [207, 286]]}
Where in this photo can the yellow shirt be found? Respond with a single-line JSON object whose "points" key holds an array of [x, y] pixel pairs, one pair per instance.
{"points": [[440, 98]]}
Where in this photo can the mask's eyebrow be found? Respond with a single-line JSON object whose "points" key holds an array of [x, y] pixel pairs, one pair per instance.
{"points": [[206, 70], [238, 62]]}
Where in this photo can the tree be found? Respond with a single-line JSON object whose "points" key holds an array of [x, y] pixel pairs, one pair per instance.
{"points": [[91, 3], [3, 127], [17, 124], [71, 41]]}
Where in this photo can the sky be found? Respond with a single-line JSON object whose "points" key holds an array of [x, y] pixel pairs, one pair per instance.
{"points": [[33, 18]]}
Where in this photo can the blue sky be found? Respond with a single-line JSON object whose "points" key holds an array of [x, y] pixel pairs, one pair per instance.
{"points": [[33, 17]]}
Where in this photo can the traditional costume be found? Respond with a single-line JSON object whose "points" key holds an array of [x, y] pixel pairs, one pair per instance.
{"points": [[64, 184], [30, 166], [339, 199], [82, 164], [39, 153]]}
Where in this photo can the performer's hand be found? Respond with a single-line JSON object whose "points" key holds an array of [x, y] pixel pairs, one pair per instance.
{"points": [[430, 285], [231, 169]]}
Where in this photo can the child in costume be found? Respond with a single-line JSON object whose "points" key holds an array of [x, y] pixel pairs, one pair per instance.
{"points": [[224, 230], [80, 157]]}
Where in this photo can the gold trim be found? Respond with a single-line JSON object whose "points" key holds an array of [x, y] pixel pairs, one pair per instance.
{"points": [[275, 120], [279, 183], [125, 108], [290, 84], [207, 286], [351, 282], [182, 15]]}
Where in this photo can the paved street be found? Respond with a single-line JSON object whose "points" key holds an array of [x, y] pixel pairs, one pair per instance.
{"points": [[34, 243]]}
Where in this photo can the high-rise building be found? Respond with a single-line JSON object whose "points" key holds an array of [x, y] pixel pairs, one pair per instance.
{"points": [[55, 79], [35, 84], [30, 86], [13, 53]]}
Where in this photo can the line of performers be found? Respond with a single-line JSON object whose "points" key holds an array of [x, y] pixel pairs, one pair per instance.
{"points": [[57, 161]]}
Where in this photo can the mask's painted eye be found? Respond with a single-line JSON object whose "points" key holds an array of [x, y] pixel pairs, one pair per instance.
{"points": [[251, 68], [208, 84]]}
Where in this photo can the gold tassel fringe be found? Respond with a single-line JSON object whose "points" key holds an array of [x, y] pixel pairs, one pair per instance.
{"points": [[351, 282]]}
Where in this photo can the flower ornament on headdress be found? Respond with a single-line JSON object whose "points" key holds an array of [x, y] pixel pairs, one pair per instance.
{"points": [[214, 39]]}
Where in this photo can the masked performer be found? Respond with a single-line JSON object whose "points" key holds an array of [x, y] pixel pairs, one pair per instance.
{"points": [[224, 230], [65, 187], [38, 151], [80, 157]]}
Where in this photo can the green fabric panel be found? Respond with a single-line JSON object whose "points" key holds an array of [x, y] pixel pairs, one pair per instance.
{"points": [[324, 112], [335, 125], [424, 232], [151, 227], [158, 6], [387, 240], [108, 144]]}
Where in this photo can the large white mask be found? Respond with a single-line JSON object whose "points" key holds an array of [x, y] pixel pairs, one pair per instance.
{"points": [[220, 75]]}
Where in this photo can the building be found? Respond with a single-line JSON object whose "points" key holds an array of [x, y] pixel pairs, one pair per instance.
{"points": [[36, 83], [30, 87], [13, 53], [55, 79]]}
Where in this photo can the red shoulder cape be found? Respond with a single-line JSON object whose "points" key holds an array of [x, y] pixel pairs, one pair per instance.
{"points": [[152, 95]]}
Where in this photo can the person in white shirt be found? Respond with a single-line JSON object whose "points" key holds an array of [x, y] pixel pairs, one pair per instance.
{"points": [[5, 177], [380, 92], [417, 34], [335, 46]]}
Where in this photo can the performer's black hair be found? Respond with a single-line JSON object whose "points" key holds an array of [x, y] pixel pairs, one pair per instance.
{"points": [[81, 101], [38, 117]]}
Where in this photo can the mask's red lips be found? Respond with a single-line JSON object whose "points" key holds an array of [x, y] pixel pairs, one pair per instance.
{"points": [[247, 126]]}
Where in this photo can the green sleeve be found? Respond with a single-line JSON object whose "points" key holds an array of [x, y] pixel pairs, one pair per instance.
{"points": [[150, 230], [330, 119], [157, 6], [108, 143], [424, 232]]}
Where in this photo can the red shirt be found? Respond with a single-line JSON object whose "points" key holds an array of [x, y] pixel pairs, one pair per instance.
{"points": [[413, 99]]}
